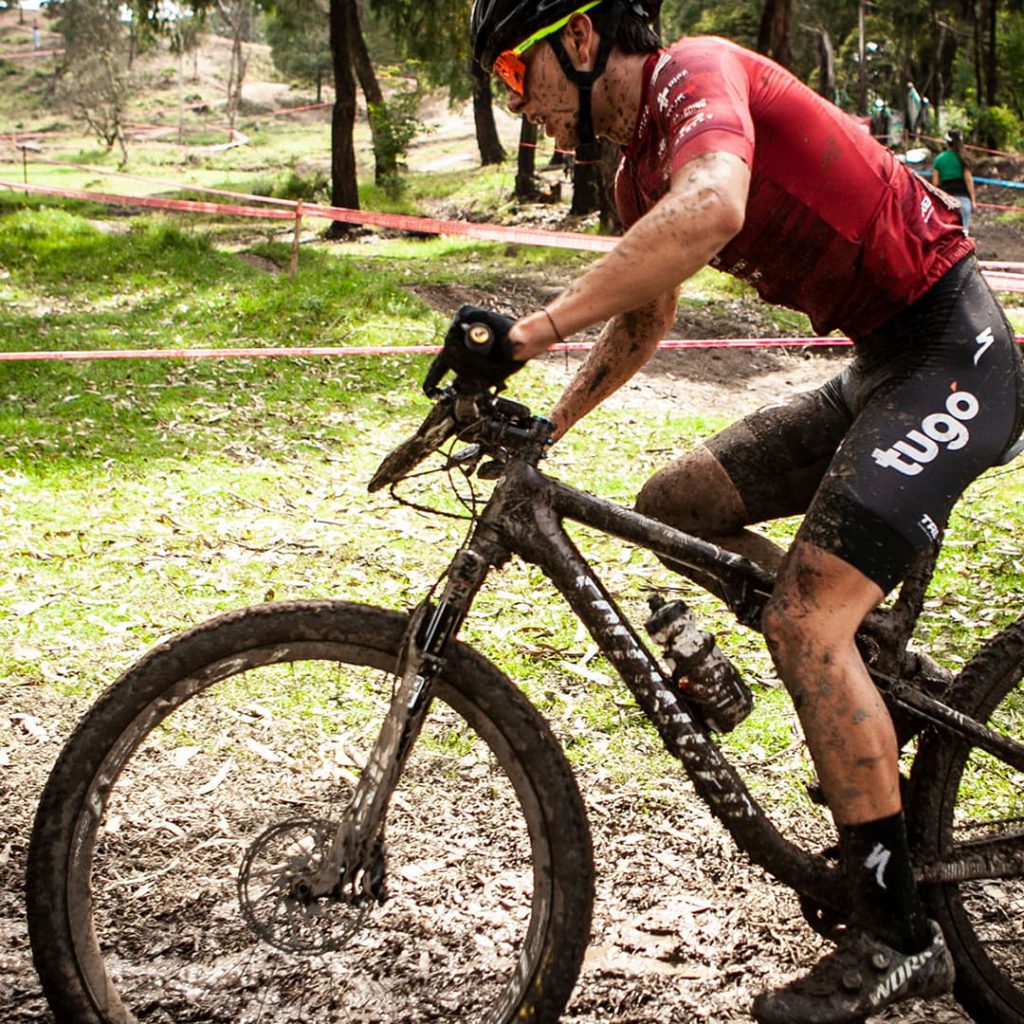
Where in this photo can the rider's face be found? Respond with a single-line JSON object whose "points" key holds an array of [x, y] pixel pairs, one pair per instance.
{"points": [[549, 99]]}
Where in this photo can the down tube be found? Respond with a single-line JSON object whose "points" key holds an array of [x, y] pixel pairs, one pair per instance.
{"points": [[713, 777]]}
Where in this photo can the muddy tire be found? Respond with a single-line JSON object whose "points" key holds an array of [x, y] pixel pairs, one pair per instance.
{"points": [[961, 795], [217, 750]]}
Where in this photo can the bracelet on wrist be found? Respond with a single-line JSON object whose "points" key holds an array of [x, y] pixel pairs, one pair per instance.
{"points": [[554, 326]]}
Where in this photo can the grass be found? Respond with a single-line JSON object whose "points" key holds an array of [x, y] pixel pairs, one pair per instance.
{"points": [[140, 497]]}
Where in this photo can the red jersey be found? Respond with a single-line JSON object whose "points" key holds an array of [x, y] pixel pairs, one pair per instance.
{"points": [[835, 226]]}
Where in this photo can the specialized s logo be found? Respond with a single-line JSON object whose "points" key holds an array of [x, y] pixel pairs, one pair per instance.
{"points": [[919, 447]]}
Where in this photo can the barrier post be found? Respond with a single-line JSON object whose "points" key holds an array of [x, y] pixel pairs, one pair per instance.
{"points": [[295, 241], [25, 147]]}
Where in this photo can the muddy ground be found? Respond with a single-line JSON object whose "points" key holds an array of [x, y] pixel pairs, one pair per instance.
{"points": [[685, 928]]}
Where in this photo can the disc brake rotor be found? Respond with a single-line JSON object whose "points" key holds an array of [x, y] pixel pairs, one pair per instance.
{"points": [[270, 891]]}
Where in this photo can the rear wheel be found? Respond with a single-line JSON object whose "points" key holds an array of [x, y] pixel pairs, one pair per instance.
{"points": [[960, 796], [221, 761]]}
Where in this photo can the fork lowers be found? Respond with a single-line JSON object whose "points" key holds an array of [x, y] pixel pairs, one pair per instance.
{"points": [[702, 673]]}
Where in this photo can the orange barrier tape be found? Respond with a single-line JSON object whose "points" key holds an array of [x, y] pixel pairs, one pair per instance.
{"points": [[176, 185], [319, 351], [29, 54], [1000, 279], [394, 221], [153, 202]]}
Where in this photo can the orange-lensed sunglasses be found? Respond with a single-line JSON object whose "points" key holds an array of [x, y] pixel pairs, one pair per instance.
{"points": [[509, 66]]}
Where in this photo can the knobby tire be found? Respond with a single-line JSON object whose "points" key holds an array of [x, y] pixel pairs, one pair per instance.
{"points": [[262, 717], [958, 795]]}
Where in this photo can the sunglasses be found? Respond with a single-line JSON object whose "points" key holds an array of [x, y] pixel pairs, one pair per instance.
{"points": [[509, 66]]}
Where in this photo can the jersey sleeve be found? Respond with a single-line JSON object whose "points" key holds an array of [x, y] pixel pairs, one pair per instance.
{"points": [[704, 103]]}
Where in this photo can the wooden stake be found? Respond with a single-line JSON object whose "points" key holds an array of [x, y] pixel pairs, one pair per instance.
{"points": [[295, 240]]}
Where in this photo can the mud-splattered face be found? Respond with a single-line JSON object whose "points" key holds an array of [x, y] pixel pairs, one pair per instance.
{"points": [[549, 99]]}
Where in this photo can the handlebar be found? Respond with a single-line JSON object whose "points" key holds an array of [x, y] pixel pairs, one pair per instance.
{"points": [[504, 429]]}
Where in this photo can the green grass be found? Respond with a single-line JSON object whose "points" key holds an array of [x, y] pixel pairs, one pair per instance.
{"points": [[141, 497]]}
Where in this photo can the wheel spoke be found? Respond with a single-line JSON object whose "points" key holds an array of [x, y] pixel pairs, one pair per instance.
{"points": [[222, 795]]}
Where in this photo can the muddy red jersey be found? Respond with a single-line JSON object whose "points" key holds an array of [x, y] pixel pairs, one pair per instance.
{"points": [[835, 226]]}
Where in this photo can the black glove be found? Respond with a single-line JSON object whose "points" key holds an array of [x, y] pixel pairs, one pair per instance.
{"points": [[476, 347]]}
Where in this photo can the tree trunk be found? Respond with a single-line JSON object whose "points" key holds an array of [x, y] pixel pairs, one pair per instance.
{"points": [[585, 188], [979, 57], [611, 155], [487, 139], [526, 180], [385, 156], [826, 65], [344, 189], [773, 35], [991, 9]]}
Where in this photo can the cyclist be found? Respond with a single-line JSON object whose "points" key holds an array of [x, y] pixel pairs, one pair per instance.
{"points": [[727, 159]]}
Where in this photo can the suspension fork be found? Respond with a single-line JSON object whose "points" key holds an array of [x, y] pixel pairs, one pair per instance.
{"points": [[355, 861]]}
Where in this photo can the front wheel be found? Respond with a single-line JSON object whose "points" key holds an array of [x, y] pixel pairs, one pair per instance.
{"points": [[962, 798], [225, 756]]}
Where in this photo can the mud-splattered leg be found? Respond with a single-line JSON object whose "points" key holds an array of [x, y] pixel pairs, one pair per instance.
{"points": [[695, 494]]}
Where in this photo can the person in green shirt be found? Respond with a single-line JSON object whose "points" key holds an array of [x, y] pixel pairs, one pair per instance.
{"points": [[951, 171]]}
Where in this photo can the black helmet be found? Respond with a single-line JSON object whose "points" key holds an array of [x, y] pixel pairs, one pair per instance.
{"points": [[497, 25]]}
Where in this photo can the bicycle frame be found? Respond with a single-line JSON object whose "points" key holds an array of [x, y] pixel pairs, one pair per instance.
{"points": [[524, 516]]}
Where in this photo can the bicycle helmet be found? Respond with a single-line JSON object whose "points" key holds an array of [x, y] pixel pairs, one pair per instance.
{"points": [[498, 25]]}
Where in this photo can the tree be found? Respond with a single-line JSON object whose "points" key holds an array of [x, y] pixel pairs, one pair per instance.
{"points": [[183, 38], [383, 128], [298, 32], [344, 185], [94, 80], [773, 34], [237, 15], [487, 139], [436, 34]]}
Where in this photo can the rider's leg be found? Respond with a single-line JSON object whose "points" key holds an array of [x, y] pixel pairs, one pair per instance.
{"points": [[939, 400], [810, 623], [695, 494], [765, 466]]}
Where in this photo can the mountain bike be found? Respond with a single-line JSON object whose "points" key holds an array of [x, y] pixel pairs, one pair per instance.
{"points": [[328, 811]]}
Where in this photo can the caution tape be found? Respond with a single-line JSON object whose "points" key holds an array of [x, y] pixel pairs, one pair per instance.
{"points": [[328, 351], [372, 218], [1004, 278], [29, 54]]}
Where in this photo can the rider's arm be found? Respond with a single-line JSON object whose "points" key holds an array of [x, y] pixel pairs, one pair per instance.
{"points": [[702, 211], [625, 344]]}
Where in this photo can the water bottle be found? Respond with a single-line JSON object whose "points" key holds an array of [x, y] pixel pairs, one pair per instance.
{"points": [[703, 674]]}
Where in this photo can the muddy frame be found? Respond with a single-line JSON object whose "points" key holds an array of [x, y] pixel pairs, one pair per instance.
{"points": [[524, 516]]}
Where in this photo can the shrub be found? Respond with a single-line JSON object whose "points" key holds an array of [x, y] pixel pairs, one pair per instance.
{"points": [[998, 128]]}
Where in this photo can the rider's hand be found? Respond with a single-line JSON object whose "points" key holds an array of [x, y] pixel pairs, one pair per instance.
{"points": [[532, 336], [476, 347]]}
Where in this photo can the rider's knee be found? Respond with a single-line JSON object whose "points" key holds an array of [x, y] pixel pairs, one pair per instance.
{"points": [[782, 632], [693, 494]]}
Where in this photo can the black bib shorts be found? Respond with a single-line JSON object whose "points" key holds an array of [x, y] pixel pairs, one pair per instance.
{"points": [[878, 455]]}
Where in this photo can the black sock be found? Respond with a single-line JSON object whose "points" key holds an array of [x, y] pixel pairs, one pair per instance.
{"points": [[884, 896]]}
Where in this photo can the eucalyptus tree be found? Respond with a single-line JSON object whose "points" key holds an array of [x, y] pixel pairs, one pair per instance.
{"points": [[94, 77], [298, 32], [435, 33]]}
